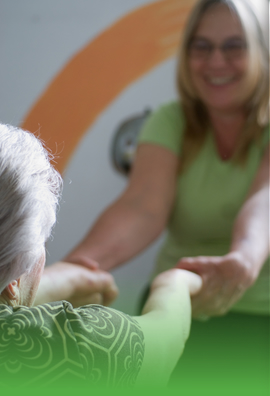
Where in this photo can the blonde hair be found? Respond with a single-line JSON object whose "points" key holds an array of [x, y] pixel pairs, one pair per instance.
{"points": [[257, 105]]}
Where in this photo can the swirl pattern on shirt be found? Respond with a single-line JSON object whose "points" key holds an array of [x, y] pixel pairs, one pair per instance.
{"points": [[54, 343]]}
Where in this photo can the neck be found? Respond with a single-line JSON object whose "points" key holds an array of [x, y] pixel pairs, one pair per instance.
{"points": [[229, 122], [227, 128], [4, 300]]}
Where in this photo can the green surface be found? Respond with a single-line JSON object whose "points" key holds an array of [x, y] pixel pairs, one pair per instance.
{"points": [[225, 356]]}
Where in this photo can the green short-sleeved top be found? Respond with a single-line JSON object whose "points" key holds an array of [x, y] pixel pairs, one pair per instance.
{"points": [[209, 195], [56, 344]]}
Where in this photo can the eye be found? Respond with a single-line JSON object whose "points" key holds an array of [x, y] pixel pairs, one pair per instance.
{"points": [[234, 48], [200, 47]]}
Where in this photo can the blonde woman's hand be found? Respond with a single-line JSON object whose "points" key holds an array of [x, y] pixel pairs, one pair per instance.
{"points": [[225, 279]]}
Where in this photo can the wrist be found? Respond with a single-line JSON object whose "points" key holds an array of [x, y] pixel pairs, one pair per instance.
{"points": [[246, 264]]}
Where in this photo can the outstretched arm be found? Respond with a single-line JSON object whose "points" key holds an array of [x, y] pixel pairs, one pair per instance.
{"points": [[226, 278], [138, 216], [165, 322], [251, 229]]}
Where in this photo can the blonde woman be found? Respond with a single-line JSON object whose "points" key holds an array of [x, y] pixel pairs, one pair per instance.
{"points": [[201, 170]]}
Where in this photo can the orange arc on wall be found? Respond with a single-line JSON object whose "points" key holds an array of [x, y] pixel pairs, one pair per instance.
{"points": [[90, 81]]}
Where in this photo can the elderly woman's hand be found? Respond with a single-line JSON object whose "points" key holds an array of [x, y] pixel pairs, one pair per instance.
{"points": [[225, 279], [76, 284]]}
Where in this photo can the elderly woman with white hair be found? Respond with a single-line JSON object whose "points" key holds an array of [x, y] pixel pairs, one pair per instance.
{"points": [[53, 342]]}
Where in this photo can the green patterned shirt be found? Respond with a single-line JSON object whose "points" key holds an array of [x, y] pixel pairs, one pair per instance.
{"points": [[55, 343]]}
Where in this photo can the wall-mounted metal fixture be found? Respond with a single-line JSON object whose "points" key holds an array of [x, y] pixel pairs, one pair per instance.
{"points": [[124, 142]]}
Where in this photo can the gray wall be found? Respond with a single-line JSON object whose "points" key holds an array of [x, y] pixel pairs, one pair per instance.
{"points": [[37, 39]]}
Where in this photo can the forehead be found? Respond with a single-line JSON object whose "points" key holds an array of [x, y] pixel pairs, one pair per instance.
{"points": [[219, 23]]}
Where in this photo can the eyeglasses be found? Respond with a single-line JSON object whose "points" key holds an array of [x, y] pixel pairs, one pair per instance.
{"points": [[203, 49]]}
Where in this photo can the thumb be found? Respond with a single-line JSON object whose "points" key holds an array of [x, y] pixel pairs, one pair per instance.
{"points": [[193, 281]]}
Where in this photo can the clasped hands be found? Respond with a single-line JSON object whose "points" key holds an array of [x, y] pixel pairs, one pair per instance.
{"points": [[79, 284], [225, 279]]}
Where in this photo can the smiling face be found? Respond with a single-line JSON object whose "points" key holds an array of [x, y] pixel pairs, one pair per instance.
{"points": [[219, 75]]}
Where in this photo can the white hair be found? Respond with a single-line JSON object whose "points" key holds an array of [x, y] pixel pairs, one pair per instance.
{"points": [[29, 193]]}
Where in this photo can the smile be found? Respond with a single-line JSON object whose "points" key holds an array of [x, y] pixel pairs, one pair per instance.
{"points": [[220, 80]]}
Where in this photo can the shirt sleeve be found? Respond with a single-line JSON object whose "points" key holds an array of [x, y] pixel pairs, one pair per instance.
{"points": [[165, 128], [111, 344]]}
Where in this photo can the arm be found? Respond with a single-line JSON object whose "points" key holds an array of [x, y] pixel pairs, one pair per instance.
{"points": [[226, 278], [165, 322], [251, 230], [138, 216]]}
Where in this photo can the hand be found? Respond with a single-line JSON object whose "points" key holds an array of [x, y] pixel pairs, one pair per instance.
{"points": [[165, 279], [76, 284], [225, 279]]}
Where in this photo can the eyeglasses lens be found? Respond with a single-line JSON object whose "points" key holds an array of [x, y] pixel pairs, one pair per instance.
{"points": [[203, 49]]}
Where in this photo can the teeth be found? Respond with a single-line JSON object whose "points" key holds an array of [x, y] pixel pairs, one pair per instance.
{"points": [[220, 80]]}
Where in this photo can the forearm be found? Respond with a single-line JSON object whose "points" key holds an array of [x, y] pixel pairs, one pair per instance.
{"points": [[121, 232], [251, 230], [165, 323], [138, 216]]}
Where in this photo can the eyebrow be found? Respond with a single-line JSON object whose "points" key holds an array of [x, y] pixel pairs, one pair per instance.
{"points": [[235, 37]]}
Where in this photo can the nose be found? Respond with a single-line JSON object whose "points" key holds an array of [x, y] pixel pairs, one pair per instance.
{"points": [[217, 58]]}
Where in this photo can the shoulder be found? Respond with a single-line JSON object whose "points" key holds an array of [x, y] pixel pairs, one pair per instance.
{"points": [[96, 343], [171, 111], [106, 320], [113, 337], [165, 127]]}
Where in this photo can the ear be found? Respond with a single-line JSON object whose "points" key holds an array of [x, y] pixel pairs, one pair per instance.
{"points": [[11, 291]]}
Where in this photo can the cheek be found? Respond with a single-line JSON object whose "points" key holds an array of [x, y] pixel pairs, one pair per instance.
{"points": [[195, 72], [195, 67], [241, 67]]}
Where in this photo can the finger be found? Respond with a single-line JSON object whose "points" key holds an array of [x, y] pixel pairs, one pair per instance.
{"points": [[204, 302], [185, 261], [110, 290], [212, 304], [94, 298], [190, 266], [110, 295], [103, 282], [235, 295], [199, 261]]}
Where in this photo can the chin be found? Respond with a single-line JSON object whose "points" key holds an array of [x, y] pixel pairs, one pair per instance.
{"points": [[224, 101], [219, 104]]}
